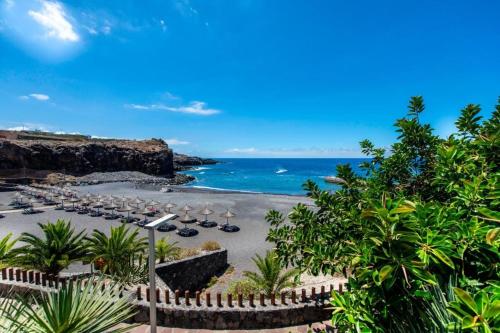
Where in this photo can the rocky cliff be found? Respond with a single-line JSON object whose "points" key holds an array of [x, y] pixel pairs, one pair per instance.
{"points": [[184, 162], [84, 155]]}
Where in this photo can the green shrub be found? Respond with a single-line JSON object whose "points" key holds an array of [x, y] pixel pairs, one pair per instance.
{"points": [[243, 286], [423, 215]]}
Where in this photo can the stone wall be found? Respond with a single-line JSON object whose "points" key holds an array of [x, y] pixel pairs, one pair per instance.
{"points": [[194, 272], [199, 310]]}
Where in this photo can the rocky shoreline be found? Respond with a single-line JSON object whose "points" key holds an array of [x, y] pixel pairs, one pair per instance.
{"points": [[129, 176]]}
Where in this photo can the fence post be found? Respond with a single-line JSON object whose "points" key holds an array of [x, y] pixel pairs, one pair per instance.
{"points": [[139, 293], [250, 299], [340, 288], [240, 300], [283, 298], [273, 299], [262, 299], [219, 300], [303, 296], [158, 298], [230, 300], [198, 298], [294, 297], [207, 298], [176, 296], [167, 296], [186, 296]]}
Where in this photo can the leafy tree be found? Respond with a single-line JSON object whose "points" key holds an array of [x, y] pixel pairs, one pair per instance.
{"points": [[166, 251], [120, 254], [6, 246], [424, 218], [271, 278], [75, 308], [56, 250]]}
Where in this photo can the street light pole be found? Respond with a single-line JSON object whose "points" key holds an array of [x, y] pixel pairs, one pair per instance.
{"points": [[152, 281], [152, 263]]}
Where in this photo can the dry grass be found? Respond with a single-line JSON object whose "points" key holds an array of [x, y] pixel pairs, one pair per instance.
{"points": [[188, 252], [210, 246]]}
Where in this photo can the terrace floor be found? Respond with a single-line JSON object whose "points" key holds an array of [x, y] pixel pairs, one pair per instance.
{"points": [[318, 327]]}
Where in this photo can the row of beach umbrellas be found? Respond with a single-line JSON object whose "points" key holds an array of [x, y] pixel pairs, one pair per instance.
{"points": [[62, 195]]}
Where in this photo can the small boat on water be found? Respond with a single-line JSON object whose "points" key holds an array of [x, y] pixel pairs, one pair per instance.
{"points": [[334, 180]]}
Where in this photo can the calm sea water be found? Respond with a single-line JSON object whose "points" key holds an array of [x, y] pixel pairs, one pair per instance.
{"points": [[268, 175]]}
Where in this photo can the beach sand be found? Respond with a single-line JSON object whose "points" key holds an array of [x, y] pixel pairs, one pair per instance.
{"points": [[250, 209]]}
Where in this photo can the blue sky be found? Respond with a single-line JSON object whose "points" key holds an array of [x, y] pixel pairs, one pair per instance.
{"points": [[249, 78]]}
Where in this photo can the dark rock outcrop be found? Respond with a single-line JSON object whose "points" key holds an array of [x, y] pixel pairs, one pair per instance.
{"points": [[78, 158], [185, 162]]}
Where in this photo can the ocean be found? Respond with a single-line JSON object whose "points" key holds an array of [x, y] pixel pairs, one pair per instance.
{"points": [[268, 175]]}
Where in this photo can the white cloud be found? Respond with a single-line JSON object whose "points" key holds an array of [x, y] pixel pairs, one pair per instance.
{"points": [[37, 96], [175, 142], [28, 127], [163, 25], [40, 97], [55, 21], [137, 106], [241, 150], [195, 107]]}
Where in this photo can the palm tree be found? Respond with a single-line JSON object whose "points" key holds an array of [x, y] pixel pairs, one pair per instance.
{"points": [[6, 246], [75, 308], [119, 251], [271, 277], [52, 253], [166, 251]]}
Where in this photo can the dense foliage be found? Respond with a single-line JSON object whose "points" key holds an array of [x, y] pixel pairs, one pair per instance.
{"points": [[56, 250], [120, 254], [91, 307], [417, 234], [270, 277]]}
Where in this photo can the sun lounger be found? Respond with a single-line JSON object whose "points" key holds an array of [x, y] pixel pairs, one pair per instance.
{"points": [[95, 213], [187, 232], [229, 228], [30, 211], [207, 224], [142, 223], [166, 227]]}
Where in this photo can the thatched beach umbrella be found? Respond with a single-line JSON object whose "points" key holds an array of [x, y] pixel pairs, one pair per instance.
{"points": [[98, 204], [152, 203], [136, 202], [206, 211], [228, 214], [63, 198], [74, 200], [168, 207], [186, 208], [126, 208]]}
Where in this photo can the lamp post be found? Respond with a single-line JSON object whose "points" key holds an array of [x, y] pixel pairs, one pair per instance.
{"points": [[152, 261]]}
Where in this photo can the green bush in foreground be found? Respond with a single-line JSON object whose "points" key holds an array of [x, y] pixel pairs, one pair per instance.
{"points": [[56, 250], [76, 308], [417, 235], [270, 277], [166, 251], [6, 246]]}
